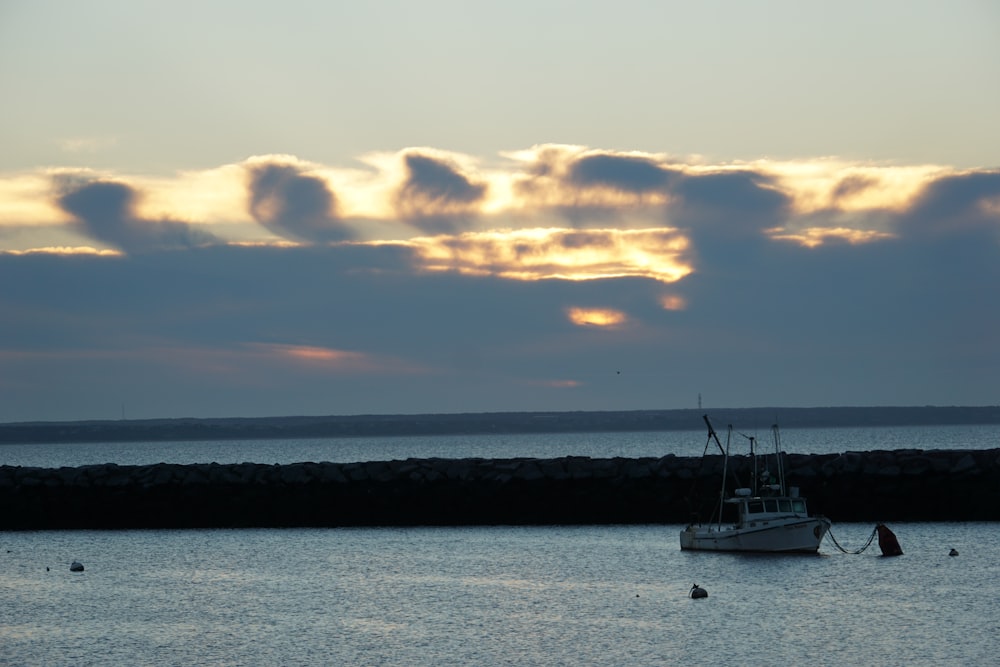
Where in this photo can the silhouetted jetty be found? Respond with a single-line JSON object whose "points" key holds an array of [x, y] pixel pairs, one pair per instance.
{"points": [[898, 485]]}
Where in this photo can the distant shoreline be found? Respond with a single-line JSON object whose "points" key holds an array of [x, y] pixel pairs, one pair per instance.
{"points": [[257, 428]]}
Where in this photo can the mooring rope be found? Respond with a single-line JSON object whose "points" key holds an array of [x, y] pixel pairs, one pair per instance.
{"points": [[856, 551]]}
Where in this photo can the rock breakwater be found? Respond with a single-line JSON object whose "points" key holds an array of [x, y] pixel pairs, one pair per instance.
{"points": [[897, 485]]}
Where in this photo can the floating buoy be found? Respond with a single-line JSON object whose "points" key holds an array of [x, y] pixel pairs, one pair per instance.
{"points": [[887, 541], [76, 566], [698, 592], [953, 552]]}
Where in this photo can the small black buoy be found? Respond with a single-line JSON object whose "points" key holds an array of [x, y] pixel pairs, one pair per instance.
{"points": [[887, 541], [698, 592], [46, 568], [76, 566], [953, 552]]}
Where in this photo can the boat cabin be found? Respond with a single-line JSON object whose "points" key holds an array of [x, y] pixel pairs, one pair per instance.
{"points": [[757, 508]]}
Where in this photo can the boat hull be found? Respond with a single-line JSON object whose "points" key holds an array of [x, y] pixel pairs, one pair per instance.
{"points": [[798, 535]]}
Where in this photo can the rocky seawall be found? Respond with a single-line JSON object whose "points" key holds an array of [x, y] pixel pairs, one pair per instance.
{"points": [[898, 485]]}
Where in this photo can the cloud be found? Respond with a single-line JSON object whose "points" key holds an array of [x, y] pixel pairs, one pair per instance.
{"points": [[65, 250], [294, 205], [955, 203], [356, 328], [851, 186], [814, 237], [592, 187], [587, 187], [321, 359], [727, 215], [435, 196], [566, 254], [425, 191], [105, 212], [673, 302], [636, 175], [740, 197], [596, 317], [753, 283]]}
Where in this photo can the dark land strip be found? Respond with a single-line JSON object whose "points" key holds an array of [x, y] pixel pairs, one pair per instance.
{"points": [[252, 428]]}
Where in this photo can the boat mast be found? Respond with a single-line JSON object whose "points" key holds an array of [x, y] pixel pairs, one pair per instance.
{"points": [[777, 455], [725, 470], [725, 462], [754, 482]]}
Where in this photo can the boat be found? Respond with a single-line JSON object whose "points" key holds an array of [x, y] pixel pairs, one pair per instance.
{"points": [[765, 517]]}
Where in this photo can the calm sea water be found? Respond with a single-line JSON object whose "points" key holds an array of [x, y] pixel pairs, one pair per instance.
{"points": [[610, 595], [596, 445], [588, 595]]}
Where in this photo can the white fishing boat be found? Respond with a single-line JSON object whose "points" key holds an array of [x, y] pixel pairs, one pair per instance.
{"points": [[764, 517]]}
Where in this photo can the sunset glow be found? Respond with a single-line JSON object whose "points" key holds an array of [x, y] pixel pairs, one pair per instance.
{"points": [[673, 302], [374, 208], [837, 185], [316, 353], [596, 317], [817, 236], [538, 254], [67, 250], [559, 384]]}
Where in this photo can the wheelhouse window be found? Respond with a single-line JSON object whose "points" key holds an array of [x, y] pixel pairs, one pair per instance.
{"points": [[755, 506], [799, 505], [785, 505], [771, 505]]}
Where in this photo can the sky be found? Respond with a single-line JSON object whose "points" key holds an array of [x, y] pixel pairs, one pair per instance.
{"points": [[238, 209]]}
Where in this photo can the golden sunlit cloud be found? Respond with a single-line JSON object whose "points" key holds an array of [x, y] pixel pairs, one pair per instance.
{"points": [[66, 250], [816, 236], [831, 184], [26, 199], [280, 243], [215, 196], [596, 317], [538, 254], [546, 186]]}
